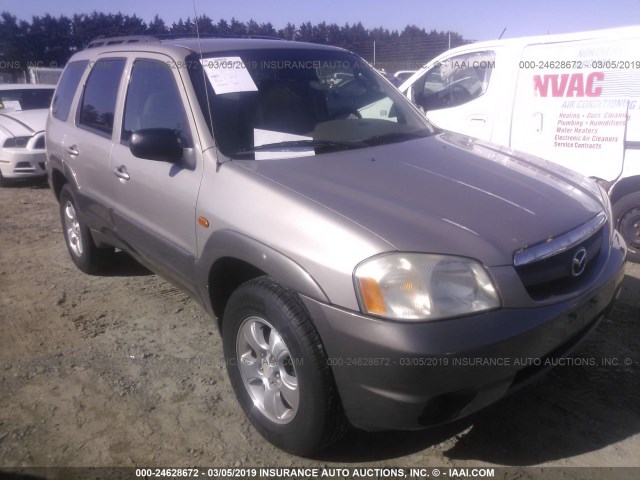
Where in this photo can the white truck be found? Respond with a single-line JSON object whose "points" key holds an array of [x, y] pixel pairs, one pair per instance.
{"points": [[573, 99]]}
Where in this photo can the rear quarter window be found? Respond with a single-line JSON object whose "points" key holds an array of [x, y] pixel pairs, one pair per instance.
{"points": [[67, 88]]}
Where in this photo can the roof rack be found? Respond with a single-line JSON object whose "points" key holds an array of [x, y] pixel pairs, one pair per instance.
{"points": [[104, 41], [164, 36], [126, 39]]}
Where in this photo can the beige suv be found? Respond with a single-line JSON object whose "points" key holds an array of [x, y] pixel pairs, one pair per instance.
{"points": [[355, 256]]}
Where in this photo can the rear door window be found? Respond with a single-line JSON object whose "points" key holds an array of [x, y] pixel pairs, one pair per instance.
{"points": [[97, 109]]}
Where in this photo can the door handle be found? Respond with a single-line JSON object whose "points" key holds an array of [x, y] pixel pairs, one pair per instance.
{"points": [[478, 119], [121, 173], [73, 151], [537, 122]]}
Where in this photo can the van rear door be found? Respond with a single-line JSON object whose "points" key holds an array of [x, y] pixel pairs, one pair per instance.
{"points": [[572, 103]]}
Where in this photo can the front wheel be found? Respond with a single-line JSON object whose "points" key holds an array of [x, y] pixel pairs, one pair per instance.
{"points": [[627, 214], [84, 253], [278, 368]]}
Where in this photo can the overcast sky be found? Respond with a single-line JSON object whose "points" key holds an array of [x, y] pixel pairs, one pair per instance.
{"points": [[474, 19]]}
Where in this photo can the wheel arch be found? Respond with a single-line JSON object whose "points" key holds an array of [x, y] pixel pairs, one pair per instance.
{"points": [[59, 175], [624, 187], [58, 180], [230, 259]]}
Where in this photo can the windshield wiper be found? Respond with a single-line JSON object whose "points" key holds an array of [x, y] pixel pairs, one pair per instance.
{"points": [[394, 137], [301, 144]]}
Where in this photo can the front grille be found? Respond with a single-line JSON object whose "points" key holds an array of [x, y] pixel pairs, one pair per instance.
{"points": [[554, 275]]}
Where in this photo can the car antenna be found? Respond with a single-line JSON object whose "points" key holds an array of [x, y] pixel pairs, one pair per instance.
{"points": [[503, 30], [204, 78]]}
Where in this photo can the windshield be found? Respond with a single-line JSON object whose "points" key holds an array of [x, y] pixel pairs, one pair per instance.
{"points": [[277, 103], [25, 99]]}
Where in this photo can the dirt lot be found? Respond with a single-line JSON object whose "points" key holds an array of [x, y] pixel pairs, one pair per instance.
{"points": [[125, 370]]}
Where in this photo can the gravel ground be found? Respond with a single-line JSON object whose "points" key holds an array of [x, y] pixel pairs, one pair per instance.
{"points": [[125, 370]]}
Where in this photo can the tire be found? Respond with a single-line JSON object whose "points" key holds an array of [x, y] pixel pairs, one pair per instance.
{"points": [[83, 251], [291, 398], [627, 214]]}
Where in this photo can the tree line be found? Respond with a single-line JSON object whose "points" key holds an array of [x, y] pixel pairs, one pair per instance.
{"points": [[49, 41]]}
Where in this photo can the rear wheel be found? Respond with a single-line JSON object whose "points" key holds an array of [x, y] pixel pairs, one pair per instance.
{"points": [[278, 368], [83, 251], [627, 214]]}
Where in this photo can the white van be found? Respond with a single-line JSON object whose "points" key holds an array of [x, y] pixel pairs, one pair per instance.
{"points": [[572, 99]]}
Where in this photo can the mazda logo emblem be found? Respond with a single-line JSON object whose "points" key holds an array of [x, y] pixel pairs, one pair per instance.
{"points": [[579, 262]]}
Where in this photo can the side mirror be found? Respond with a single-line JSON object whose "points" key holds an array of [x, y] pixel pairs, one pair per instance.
{"points": [[162, 144], [411, 94]]}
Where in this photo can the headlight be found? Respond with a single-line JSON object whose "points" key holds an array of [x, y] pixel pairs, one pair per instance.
{"points": [[16, 142], [415, 286]]}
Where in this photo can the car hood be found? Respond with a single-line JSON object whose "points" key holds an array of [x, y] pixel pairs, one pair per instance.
{"points": [[445, 194], [24, 123]]}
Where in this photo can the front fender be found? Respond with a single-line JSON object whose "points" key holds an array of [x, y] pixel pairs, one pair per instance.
{"points": [[231, 244]]}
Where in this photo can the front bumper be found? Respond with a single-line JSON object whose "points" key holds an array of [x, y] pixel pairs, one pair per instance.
{"points": [[22, 162], [402, 375]]}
